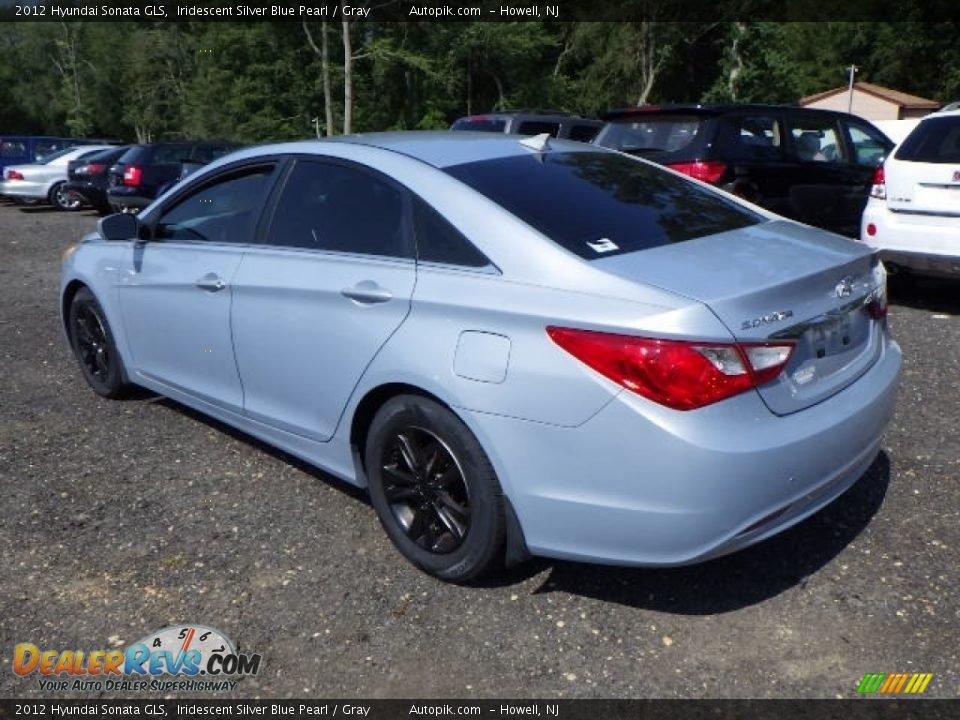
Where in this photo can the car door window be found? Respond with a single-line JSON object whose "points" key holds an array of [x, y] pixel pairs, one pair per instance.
{"points": [[222, 212], [44, 149], [817, 140], [12, 149], [869, 146], [335, 207]]}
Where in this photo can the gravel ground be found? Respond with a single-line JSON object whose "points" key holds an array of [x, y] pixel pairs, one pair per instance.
{"points": [[119, 518]]}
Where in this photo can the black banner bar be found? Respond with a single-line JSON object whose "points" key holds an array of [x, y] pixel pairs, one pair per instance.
{"points": [[478, 10]]}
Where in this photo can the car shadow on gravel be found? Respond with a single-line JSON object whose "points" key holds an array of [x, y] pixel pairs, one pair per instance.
{"points": [[722, 585], [925, 293], [335, 482], [744, 578]]}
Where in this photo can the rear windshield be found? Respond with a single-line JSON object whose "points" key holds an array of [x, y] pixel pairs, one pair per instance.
{"points": [[597, 204], [480, 124], [936, 140], [652, 134], [107, 155]]}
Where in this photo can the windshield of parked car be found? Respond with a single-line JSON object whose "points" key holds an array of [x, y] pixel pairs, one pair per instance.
{"points": [[597, 204]]}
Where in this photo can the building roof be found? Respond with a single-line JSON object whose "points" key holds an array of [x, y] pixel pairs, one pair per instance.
{"points": [[904, 100]]}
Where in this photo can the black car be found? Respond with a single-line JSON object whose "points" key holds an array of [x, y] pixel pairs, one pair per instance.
{"points": [[814, 166], [532, 122], [144, 172], [89, 176]]}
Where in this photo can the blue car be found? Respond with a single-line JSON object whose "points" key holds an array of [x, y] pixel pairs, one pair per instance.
{"points": [[517, 345]]}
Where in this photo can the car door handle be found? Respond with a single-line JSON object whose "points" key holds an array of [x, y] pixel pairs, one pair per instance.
{"points": [[367, 293], [211, 283]]}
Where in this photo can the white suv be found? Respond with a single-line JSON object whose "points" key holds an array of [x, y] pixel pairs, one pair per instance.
{"points": [[913, 214]]}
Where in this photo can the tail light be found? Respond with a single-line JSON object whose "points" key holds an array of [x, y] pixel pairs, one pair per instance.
{"points": [[876, 307], [878, 187], [709, 171], [681, 374], [14, 175], [132, 175], [92, 168]]}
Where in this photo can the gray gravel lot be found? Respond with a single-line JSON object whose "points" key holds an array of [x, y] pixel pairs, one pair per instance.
{"points": [[119, 518]]}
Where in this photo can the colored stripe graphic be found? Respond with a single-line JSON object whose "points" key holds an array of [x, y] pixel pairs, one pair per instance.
{"points": [[871, 682], [894, 683]]}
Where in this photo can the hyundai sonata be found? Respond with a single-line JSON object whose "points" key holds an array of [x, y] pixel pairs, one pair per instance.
{"points": [[519, 346]]}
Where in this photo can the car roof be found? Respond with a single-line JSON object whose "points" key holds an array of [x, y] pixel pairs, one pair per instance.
{"points": [[439, 148]]}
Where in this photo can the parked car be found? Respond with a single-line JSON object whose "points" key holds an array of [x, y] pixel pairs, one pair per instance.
{"points": [[29, 149], [814, 166], [45, 181], [146, 171], [88, 177], [532, 122], [913, 214], [517, 345]]}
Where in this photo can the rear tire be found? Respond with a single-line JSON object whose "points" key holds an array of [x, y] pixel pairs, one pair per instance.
{"points": [[63, 199], [434, 489], [94, 347]]}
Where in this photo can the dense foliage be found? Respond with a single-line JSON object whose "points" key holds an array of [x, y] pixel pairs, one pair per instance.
{"points": [[259, 81]]}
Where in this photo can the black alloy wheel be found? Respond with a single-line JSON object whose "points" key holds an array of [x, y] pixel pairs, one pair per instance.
{"points": [[434, 489], [424, 484], [93, 346]]}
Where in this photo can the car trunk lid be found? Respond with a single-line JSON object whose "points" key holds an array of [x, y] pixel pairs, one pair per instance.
{"points": [[779, 281]]}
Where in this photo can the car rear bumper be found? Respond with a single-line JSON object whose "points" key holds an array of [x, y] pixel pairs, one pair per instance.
{"points": [[121, 198], [93, 194], [24, 189], [928, 244], [639, 484]]}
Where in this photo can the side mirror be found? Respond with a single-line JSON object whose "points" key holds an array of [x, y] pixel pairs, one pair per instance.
{"points": [[120, 226]]}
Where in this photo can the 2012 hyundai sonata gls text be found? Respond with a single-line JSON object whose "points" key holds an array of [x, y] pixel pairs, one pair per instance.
{"points": [[516, 345]]}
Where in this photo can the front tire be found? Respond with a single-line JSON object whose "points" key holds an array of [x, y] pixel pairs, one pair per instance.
{"points": [[94, 346], [434, 489]]}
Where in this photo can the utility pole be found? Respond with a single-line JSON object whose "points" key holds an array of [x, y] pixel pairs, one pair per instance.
{"points": [[853, 71]]}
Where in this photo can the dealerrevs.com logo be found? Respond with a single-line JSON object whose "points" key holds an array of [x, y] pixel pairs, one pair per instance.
{"points": [[178, 658]]}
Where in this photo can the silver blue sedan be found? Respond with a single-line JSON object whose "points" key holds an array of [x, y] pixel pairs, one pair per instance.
{"points": [[518, 346]]}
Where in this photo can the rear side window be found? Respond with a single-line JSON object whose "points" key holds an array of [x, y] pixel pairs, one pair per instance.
{"points": [[869, 146], [438, 241], [649, 135], [598, 204], [936, 140]]}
